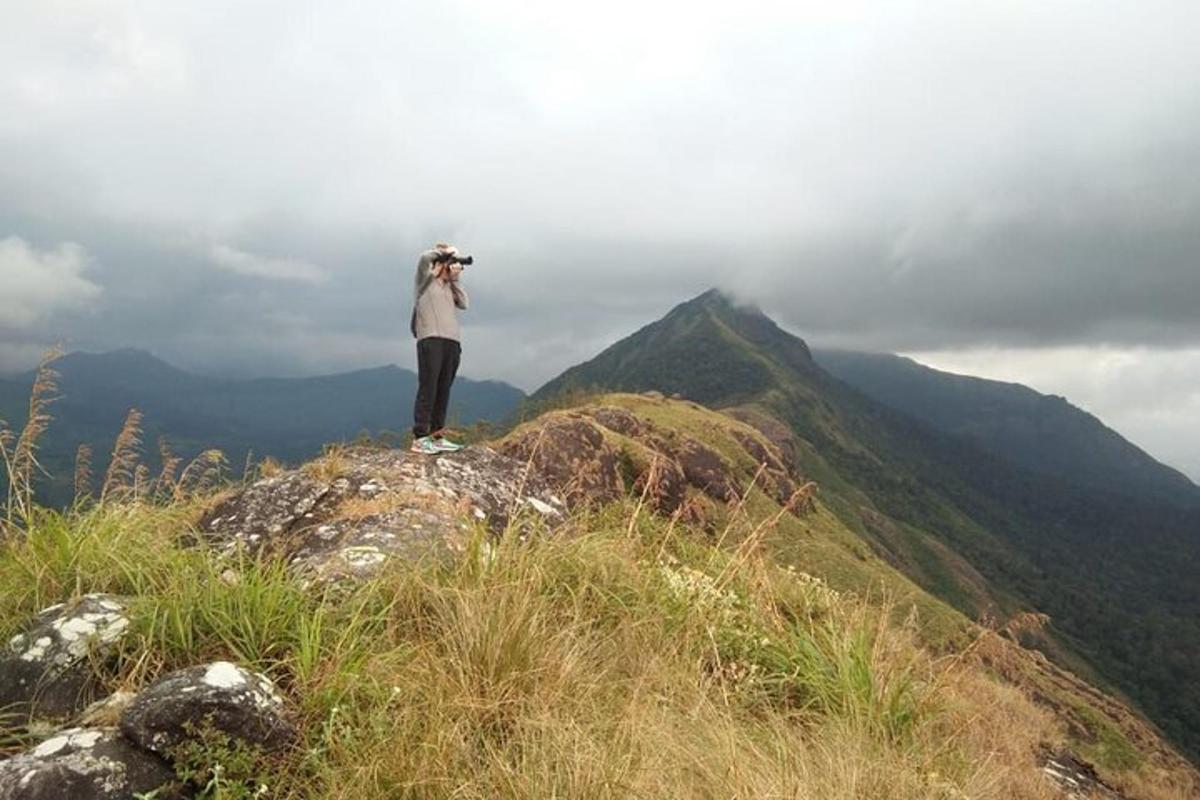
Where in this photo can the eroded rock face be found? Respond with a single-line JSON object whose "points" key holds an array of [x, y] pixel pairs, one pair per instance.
{"points": [[668, 491], [222, 696], [775, 478], [349, 517], [619, 420], [704, 468], [47, 671], [570, 454], [85, 764], [577, 452]]}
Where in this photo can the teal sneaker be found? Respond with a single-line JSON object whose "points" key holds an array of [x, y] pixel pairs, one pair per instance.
{"points": [[425, 445], [444, 445]]}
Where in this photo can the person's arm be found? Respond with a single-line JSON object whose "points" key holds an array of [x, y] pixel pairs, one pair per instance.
{"points": [[461, 300], [427, 270]]}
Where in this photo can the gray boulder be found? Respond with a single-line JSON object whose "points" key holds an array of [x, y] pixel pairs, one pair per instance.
{"points": [[47, 671], [85, 764], [219, 696], [355, 513]]}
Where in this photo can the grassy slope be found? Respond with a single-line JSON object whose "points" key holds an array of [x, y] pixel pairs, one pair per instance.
{"points": [[623, 657], [1115, 574], [819, 543], [615, 660], [824, 545]]}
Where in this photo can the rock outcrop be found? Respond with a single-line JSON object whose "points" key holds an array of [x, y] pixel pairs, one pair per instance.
{"points": [[221, 697], [1076, 778], [346, 515], [571, 453], [86, 764], [117, 763], [47, 670], [596, 454]]}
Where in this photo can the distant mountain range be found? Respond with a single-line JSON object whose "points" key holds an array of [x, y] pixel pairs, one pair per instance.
{"points": [[287, 418], [1044, 433], [993, 497]]}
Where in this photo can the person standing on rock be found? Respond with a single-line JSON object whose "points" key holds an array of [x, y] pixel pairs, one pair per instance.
{"points": [[438, 296]]}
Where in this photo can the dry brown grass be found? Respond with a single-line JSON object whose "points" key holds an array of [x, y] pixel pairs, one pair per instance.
{"points": [[201, 476], [83, 473], [120, 477], [166, 483], [20, 456], [383, 503], [1155, 783], [330, 466], [269, 468], [560, 674]]}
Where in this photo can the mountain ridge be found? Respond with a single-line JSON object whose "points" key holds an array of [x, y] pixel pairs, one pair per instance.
{"points": [[1038, 431], [1113, 572]]}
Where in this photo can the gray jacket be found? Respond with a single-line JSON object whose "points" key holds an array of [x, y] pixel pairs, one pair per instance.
{"points": [[435, 302]]}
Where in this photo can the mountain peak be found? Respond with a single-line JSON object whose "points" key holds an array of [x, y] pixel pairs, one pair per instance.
{"points": [[721, 301], [711, 349], [118, 365]]}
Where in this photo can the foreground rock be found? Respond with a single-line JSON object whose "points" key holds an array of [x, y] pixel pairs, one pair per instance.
{"points": [[47, 671], [221, 697], [346, 515], [86, 764]]}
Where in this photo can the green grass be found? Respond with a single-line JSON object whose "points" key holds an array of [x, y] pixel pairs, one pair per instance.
{"points": [[1108, 747], [591, 664]]}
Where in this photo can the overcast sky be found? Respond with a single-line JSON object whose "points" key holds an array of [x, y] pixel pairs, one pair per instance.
{"points": [[1009, 189]]}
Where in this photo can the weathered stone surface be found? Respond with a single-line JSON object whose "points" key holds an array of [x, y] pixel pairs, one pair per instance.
{"points": [[350, 517], [222, 696], [785, 446], [570, 453], [85, 764], [704, 469], [1077, 778], [47, 671], [619, 420], [775, 478], [266, 512], [669, 488], [575, 450]]}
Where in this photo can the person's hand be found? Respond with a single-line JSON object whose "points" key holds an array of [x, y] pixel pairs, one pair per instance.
{"points": [[455, 271]]}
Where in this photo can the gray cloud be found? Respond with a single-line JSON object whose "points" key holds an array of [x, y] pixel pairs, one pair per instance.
{"points": [[38, 283], [251, 181]]}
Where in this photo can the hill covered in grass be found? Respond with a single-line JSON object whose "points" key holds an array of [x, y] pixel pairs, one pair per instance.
{"points": [[1115, 572], [653, 601]]}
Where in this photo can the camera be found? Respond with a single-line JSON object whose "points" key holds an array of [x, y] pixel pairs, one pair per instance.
{"points": [[453, 258]]}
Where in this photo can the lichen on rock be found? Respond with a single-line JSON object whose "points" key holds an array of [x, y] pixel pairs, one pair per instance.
{"points": [[86, 764], [348, 519], [221, 696], [47, 671]]}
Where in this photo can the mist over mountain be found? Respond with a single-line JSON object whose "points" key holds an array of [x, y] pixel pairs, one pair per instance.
{"points": [[959, 513]]}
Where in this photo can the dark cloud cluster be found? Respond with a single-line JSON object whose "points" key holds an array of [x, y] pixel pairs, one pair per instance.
{"points": [[243, 187]]}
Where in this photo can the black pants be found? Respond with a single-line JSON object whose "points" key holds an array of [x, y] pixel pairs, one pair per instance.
{"points": [[437, 364]]}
